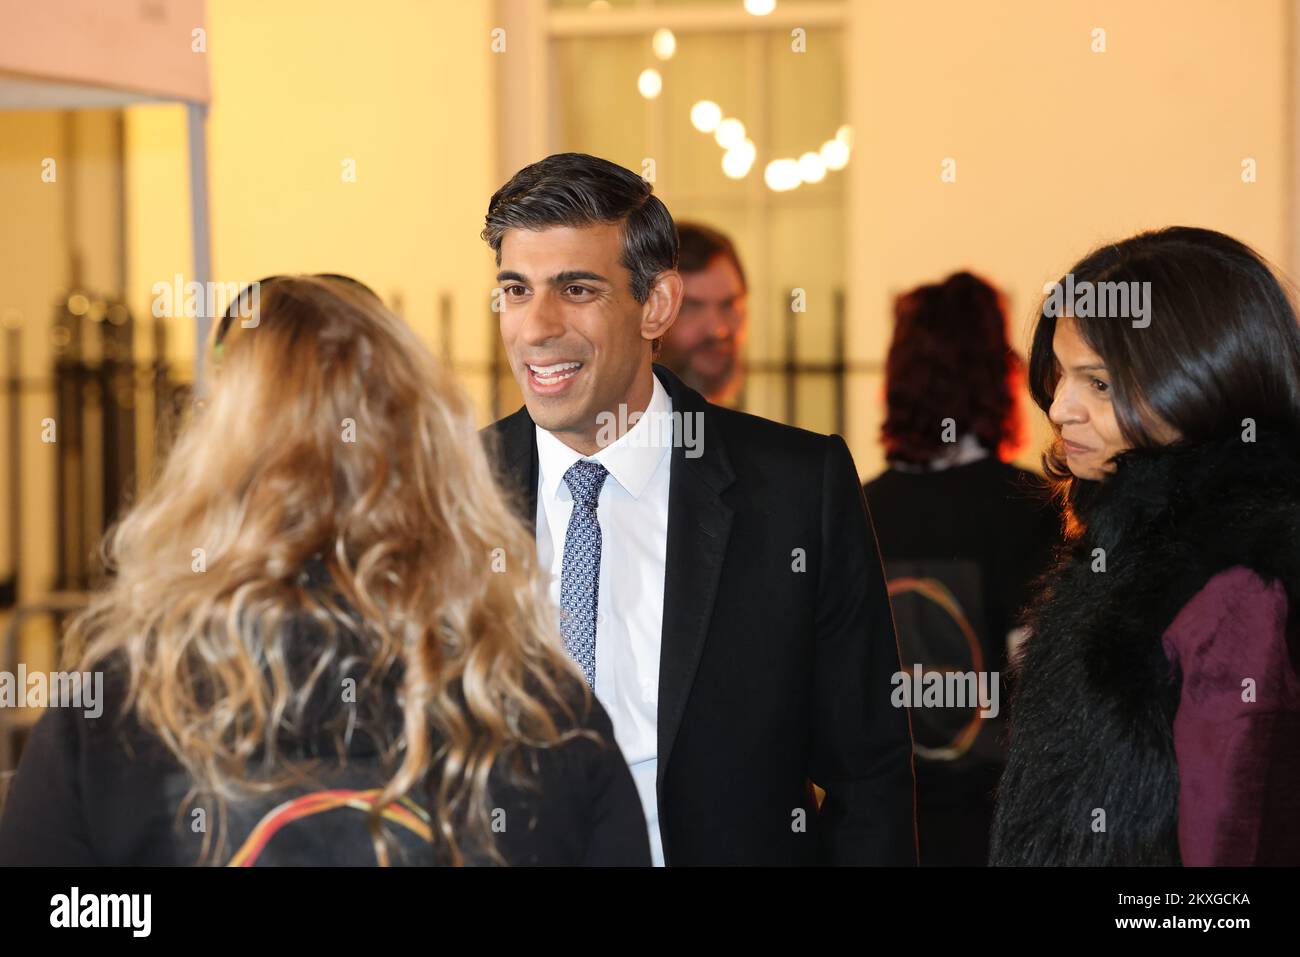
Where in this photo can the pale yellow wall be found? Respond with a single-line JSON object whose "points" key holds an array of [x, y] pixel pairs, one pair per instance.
{"points": [[1057, 148], [401, 87], [157, 212]]}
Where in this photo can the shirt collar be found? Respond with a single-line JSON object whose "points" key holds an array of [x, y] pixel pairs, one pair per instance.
{"points": [[964, 451], [631, 460]]}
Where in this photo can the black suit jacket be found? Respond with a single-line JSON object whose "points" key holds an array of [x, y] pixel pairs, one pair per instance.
{"points": [[778, 648]]}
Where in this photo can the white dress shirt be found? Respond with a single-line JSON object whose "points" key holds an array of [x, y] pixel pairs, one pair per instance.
{"points": [[633, 515]]}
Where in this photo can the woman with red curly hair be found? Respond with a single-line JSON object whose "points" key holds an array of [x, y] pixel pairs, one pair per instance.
{"points": [[962, 533]]}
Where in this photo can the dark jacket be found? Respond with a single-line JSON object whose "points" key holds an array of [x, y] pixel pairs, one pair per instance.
{"points": [[988, 513], [104, 791], [1156, 718], [778, 648], [985, 531]]}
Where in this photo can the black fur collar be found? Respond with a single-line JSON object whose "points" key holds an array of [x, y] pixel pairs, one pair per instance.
{"points": [[1093, 694]]}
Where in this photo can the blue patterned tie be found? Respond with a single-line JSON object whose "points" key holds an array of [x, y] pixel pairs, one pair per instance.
{"points": [[580, 574]]}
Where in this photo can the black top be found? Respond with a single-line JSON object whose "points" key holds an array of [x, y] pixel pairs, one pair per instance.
{"points": [[962, 547], [103, 791], [989, 513]]}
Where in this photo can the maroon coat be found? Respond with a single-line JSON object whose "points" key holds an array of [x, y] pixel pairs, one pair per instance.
{"points": [[1237, 725]]}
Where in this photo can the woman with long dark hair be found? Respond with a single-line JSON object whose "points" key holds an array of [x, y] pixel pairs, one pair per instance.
{"points": [[1157, 709], [326, 634]]}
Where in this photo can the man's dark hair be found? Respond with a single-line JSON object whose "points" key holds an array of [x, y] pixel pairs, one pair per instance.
{"points": [[701, 244], [574, 189]]}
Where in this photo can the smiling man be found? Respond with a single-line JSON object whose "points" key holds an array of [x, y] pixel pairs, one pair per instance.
{"points": [[726, 606], [567, 321]]}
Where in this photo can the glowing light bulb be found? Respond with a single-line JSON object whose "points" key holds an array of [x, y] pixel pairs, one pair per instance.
{"points": [[730, 133], [835, 154], [650, 83], [706, 115], [782, 175], [664, 43], [812, 168], [737, 161]]}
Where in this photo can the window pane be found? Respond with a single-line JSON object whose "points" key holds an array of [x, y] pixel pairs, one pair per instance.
{"points": [[790, 104]]}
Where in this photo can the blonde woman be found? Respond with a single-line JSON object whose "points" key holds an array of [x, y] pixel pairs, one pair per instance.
{"points": [[323, 638]]}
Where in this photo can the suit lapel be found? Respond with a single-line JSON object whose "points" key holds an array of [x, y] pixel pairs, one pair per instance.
{"points": [[516, 457], [699, 524]]}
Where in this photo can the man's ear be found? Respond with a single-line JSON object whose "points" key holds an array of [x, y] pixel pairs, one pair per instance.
{"points": [[660, 309]]}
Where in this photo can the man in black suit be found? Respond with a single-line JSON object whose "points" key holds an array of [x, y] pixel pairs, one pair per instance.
{"points": [[716, 573]]}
